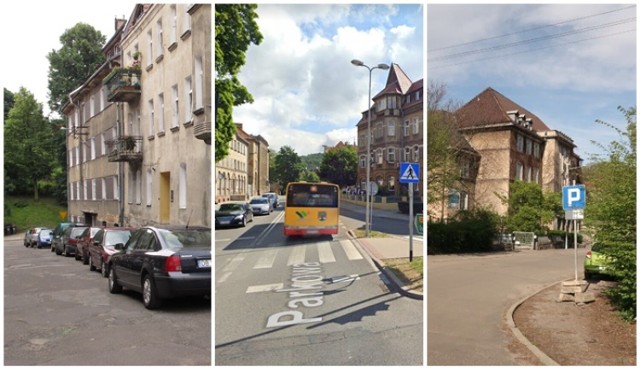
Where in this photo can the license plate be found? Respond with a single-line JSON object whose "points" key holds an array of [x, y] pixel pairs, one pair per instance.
{"points": [[224, 222], [205, 263]]}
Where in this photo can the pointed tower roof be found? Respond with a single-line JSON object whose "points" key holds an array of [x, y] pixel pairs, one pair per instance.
{"points": [[397, 81]]}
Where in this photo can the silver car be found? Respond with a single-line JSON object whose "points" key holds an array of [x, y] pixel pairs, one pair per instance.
{"points": [[261, 205]]}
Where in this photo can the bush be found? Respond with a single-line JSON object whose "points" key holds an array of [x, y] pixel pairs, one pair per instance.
{"points": [[623, 260], [471, 231], [554, 234], [403, 207]]}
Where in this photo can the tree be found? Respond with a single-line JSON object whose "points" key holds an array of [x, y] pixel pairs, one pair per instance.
{"points": [[236, 29], [8, 102], [288, 166], [340, 166], [27, 146], [71, 65], [611, 209], [529, 208]]}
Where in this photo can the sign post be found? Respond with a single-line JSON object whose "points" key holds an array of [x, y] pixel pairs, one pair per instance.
{"points": [[410, 173], [574, 199]]}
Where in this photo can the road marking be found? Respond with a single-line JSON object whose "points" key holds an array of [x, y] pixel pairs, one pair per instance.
{"points": [[324, 253], [266, 231], [232, 264], [296, 256], [266, 260], [350, 250], [223, 277], [264, 288]]}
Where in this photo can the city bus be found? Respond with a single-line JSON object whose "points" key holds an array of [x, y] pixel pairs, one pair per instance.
{"points": [[311, 208]]}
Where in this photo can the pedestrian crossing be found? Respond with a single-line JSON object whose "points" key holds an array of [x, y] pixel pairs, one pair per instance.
{"points": [[325, 252]]}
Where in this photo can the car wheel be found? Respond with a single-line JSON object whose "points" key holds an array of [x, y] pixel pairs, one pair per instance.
{"points": [[149, 294], [243, 223], [76, 256], [58, 252], [85, 259], [114, 286], [91, 266], [104, 269]]}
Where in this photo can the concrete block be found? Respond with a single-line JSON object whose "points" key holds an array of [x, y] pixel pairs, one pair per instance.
{"points": [[585, 297]]}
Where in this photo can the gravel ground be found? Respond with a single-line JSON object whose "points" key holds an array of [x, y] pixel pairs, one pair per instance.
{"points": [[571, 334]]}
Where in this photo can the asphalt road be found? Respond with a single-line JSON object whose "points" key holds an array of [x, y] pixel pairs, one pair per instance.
{"points": [[469, 296], [309, 301], [57, 312]]}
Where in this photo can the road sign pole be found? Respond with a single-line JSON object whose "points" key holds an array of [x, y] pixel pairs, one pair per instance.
{"points": [[410, 220], [575, 247]]}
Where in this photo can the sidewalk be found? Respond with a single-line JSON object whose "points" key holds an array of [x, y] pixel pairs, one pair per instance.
{"points": [[390, 247]]}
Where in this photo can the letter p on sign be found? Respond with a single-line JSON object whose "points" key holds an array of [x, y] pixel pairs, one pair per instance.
{"points": [[573, 197]]}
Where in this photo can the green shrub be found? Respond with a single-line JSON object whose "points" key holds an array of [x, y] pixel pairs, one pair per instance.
{"points": [[470, 231]]}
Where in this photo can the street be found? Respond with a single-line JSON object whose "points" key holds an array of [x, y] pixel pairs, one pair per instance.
{"points": [[57, 312], [469, 296], [307, 301]]}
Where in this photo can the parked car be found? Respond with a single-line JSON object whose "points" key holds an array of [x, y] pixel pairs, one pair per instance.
{"points": [[273, 197], [104, 245], [69, 240], [161, 263], [57, 234], [32, 238], [596, 263], [233, 213], [82, 246], [44, 238], [261, 205]]}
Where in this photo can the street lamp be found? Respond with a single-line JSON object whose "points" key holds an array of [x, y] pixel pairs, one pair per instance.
{"points": [[358, 63]]}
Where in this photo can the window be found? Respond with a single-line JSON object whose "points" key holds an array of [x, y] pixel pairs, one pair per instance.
{"points": [[131, 186], [173, 27], [138, 186], [116, 190], [150, 48], [381, 104], [186, 20], [392, 183], [151, 117], [529, 147], [363, 161], [536, 150], [159, 35], [529, 173], [418, 95], [188, 99], [149, 187], [93, 148], [92, 110], [519, 143], [454, 199], [416, 153], [199, 84], [536, 175], [379, 156], [161, 113], [416, 126], [175, 106], [103, 97], [406, 127], [93, 189], [182, 196], [391, 155], [104, 189], [103, 147], [391, 102], [77, 190], [407, 154], [391, 128], [465, 168], [408, 99], [519, 171]]}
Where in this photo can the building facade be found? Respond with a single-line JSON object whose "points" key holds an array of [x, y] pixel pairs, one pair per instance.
{"points": [[232, 172], [257, 162], [396, 134]]}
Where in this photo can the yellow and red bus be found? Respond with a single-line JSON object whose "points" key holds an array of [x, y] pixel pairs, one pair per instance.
{"points": [[311, 208]]}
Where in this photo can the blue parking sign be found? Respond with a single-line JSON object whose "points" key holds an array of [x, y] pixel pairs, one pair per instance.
{"points": [[574, 197]]}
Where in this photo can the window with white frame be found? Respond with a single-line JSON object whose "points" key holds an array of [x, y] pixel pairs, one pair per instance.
{"points": [[93, 148], [150, 48], [159, 37], [173, 27], [379, 156], [186, 19], [131, 186], [139, 186], [102, 145], [418, 95], [77, 190], [391, 155], [529, 146], [92, 110], [188, 99], [175, 110], [116, 190], [536, 175], [149, 186], [391, 128], [381, 105], [519, 143], [85, 189], [104, 189], [392, 183], [93, 189], [454, 199], [182, 197], [406, 128], [519, 171], [407, 154], [536, 150], [391, 102], [199, 98], [416, 153], [151, 117], [416, 126], [529, 174], [161, 113]]}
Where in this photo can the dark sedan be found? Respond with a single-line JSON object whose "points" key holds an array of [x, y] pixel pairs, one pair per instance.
{"points": [[104, 245], [233, 213], [163, 262]]}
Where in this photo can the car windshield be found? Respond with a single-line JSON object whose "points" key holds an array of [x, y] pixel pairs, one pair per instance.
{"points": [[229, 207], [263, 200], [195, 238], [116, 237]]}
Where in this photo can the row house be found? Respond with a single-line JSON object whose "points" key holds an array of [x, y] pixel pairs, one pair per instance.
{"points": [[514, 145], [396, 133], [244, 173], [155, 144]]}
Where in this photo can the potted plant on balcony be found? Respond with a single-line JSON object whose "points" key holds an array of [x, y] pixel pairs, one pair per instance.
{"points": [[129, 143]]}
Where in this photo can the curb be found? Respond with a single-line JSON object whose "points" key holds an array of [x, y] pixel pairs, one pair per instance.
{"points": [[544, 358], [399, 286]]}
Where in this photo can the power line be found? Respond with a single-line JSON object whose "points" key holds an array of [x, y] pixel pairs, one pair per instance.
{"points": [[529, 29]]}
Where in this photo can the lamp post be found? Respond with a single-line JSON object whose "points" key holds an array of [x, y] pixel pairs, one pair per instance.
{"points": [[358, 63]]}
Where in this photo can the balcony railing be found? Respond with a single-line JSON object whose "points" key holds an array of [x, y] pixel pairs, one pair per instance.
{"points": [[125, 148], [123, 84]]}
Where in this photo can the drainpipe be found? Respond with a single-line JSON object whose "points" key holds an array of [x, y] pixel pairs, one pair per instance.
{"points": [[119, 130], [81, 153]]}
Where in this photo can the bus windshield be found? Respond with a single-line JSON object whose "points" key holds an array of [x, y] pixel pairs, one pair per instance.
{"points": [[312, 195]]}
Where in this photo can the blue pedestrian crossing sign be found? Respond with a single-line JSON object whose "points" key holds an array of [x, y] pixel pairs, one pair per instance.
{"points": [[574, 197], [409, 172]]}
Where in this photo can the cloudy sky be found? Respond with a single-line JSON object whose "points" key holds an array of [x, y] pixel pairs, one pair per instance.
{"points": [[29, 31], [307, 93], [568, 64]]}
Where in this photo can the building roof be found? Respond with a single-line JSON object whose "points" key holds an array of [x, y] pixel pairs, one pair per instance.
{"points": [[397, 82], [491, 107]]}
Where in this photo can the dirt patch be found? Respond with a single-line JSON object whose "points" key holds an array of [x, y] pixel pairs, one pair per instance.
{"points": [[573, 334], [409, 273]]}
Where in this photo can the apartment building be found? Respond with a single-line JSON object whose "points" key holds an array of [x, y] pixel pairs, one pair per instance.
{"points": [[257, 162], [396, 133], [513, 144]]}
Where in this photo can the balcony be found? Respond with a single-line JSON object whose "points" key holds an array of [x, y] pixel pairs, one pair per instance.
{"points": [[202, 131], [125, 148], [123, 85]]}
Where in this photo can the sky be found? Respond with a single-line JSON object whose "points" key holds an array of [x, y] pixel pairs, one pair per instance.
{"points": [[31, 34], [306, 91], [568, 64]]}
